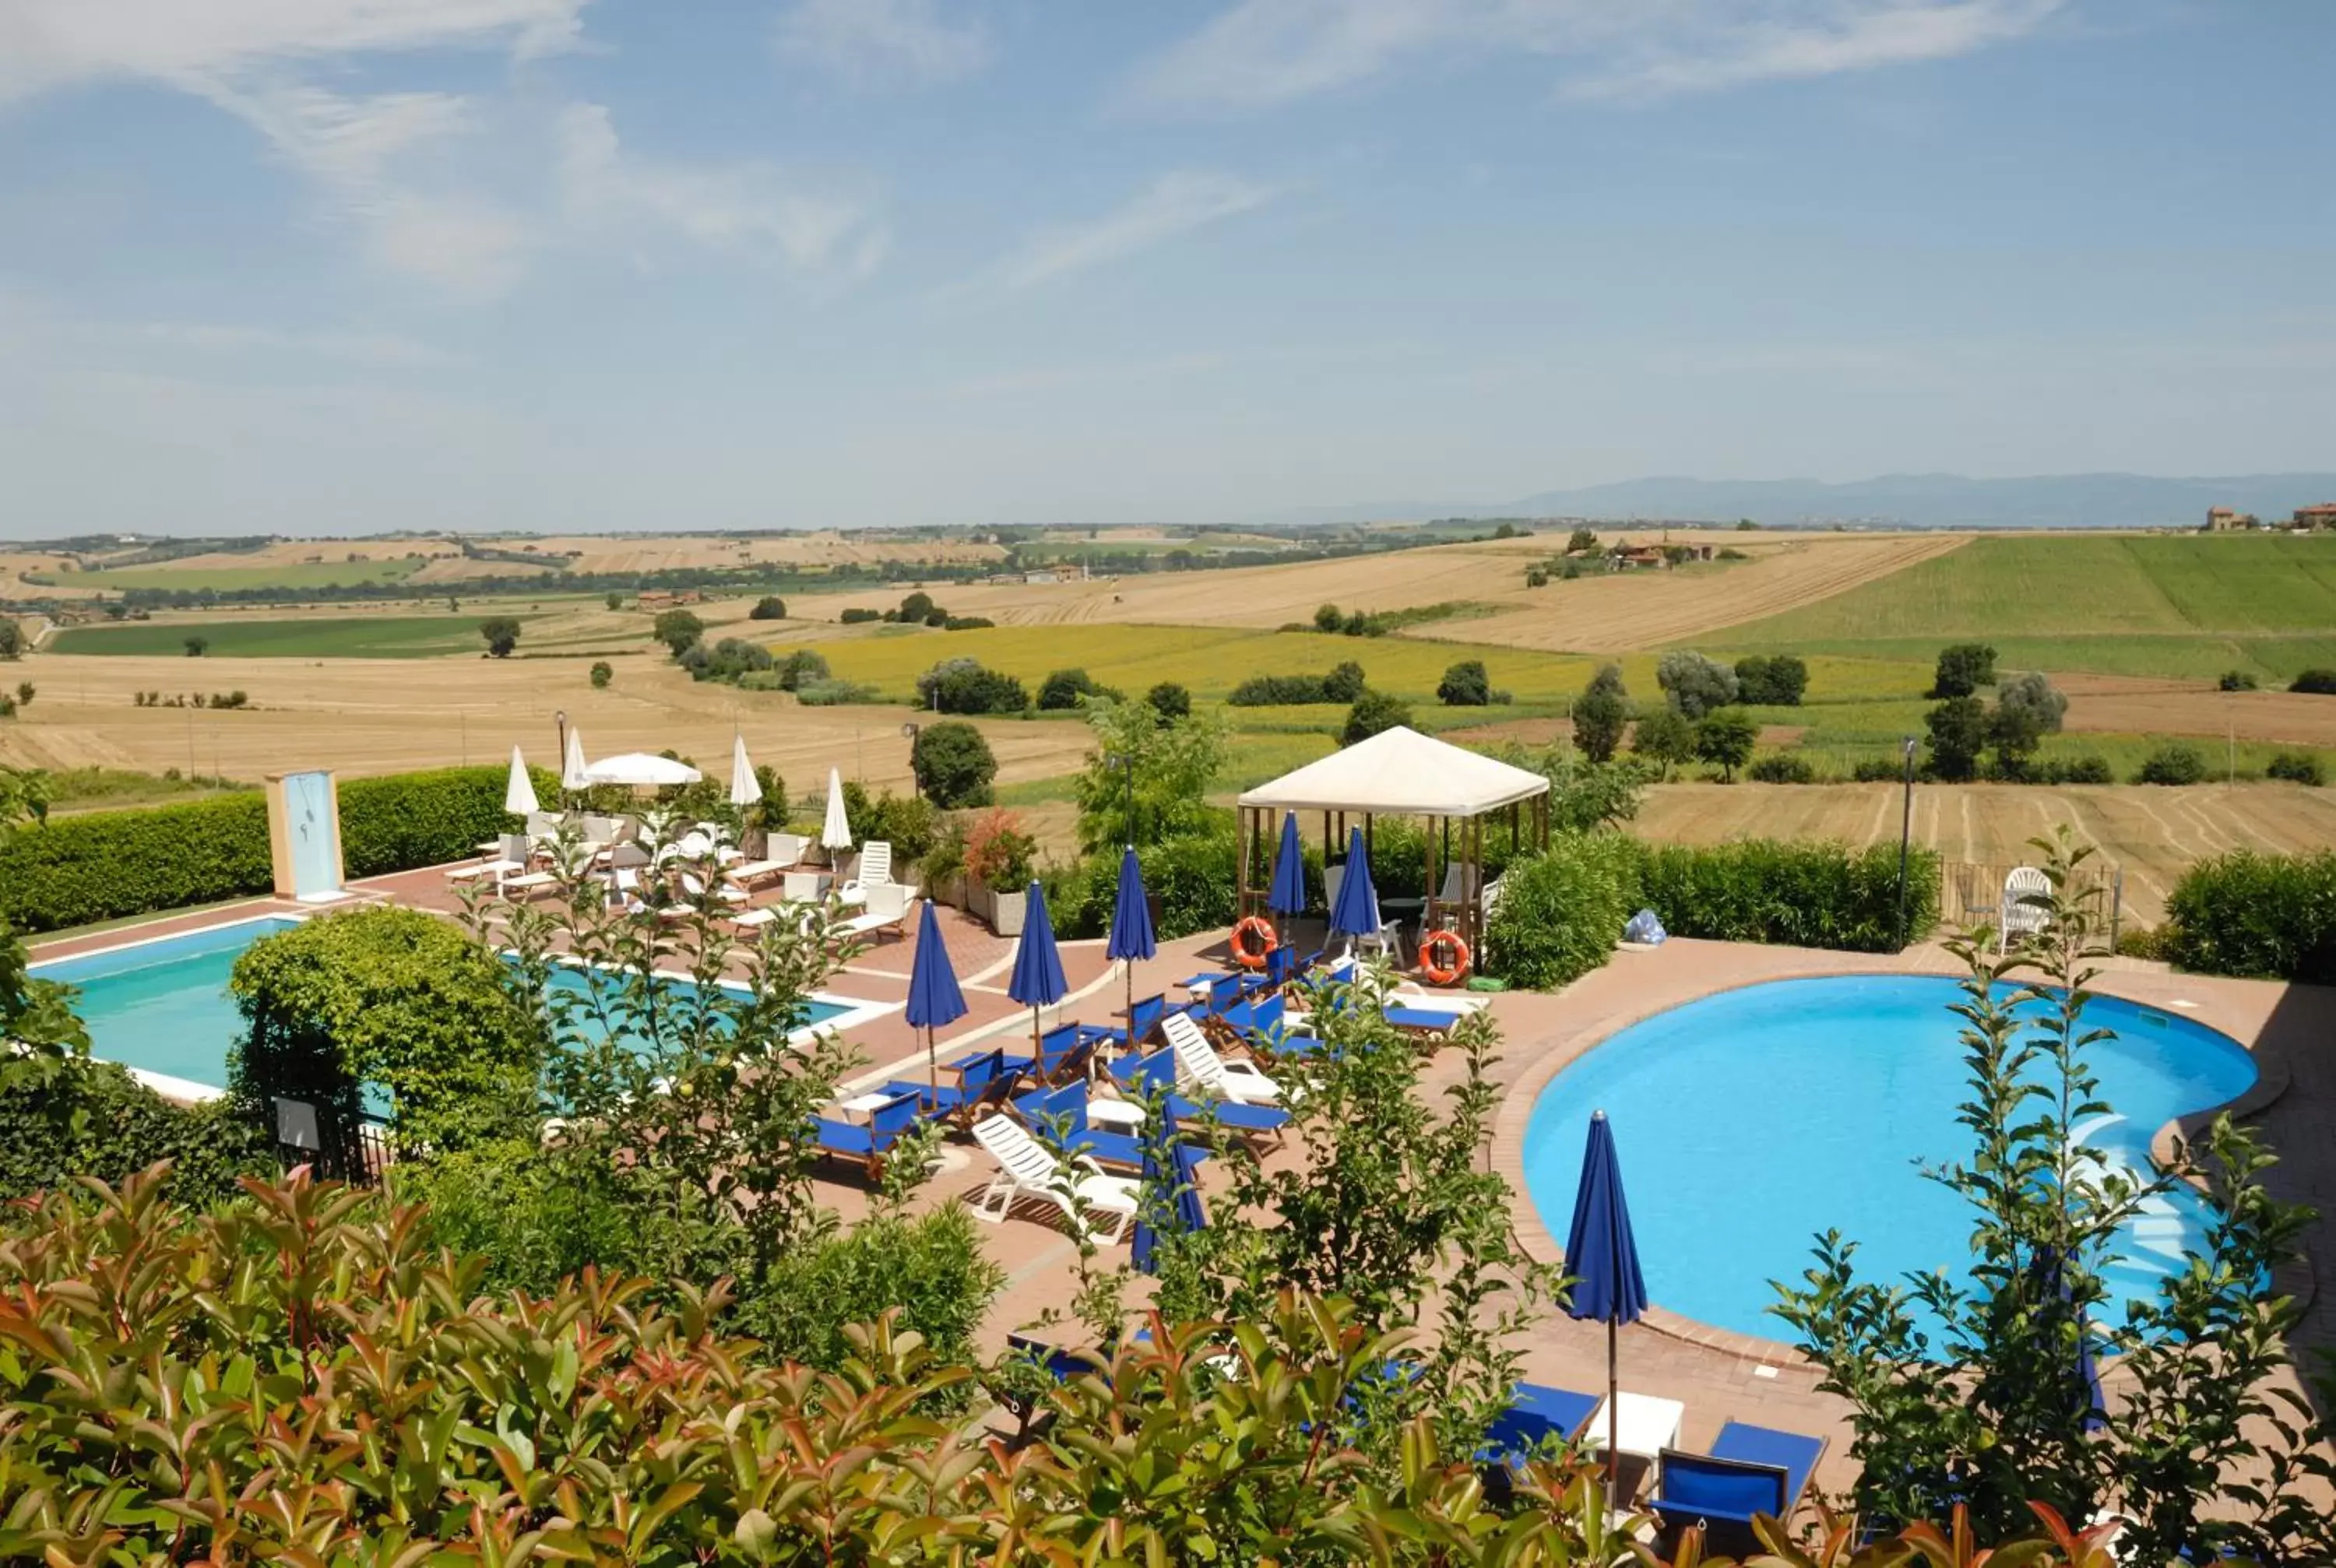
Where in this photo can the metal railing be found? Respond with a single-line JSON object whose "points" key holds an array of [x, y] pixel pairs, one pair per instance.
{"points": [[1971, 891], [358, 1159]]}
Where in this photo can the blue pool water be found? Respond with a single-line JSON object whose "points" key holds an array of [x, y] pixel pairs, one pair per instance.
{"points": [[1751, 1121], [163, 1006]]}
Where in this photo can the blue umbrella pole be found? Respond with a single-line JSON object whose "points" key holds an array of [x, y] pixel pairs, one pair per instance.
{"points": [[932, 1057], [1613, 1418]]}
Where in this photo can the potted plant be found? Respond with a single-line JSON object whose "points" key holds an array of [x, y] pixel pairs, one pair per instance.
{"points": [[998, 859], [942, 868]]}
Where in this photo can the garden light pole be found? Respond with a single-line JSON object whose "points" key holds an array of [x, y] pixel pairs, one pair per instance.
{"points": [[1905, 837], [560, 718]]}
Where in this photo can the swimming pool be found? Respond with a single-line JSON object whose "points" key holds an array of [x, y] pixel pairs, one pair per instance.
{"points": [[1751, 1121], [160, 1006]]}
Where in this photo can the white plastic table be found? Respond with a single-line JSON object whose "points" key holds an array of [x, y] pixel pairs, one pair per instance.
{"points": [[859, 1107], [1116, 1113], [1649, 1425]]}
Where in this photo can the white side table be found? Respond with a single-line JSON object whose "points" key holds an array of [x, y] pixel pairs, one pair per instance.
{"points": [[1116, 1113], [859, 1107], [1649, 1425]]}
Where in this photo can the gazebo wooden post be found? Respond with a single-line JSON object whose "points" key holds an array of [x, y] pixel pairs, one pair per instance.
{"points": [[1241, 821], [1427, 904]]}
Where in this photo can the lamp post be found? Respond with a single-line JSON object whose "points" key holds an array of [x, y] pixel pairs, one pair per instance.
{"points": [[909, 734], [1905, 837], [559, 764]]}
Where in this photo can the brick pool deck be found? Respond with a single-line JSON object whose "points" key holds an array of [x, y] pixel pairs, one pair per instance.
{"points": [[1716, 1375]]}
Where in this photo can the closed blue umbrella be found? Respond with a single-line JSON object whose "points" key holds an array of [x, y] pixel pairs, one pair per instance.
{"points": [[1287, 895], [1356, 912], [934, 998], [1131, 927], [2088, 1368], [1602, 1256], [1167, 1158], [1037, 980]]}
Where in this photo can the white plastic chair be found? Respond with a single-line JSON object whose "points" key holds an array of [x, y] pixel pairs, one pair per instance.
{"points": [[1028, 1169], [2019, 916], [1197, 1063], [887, 910]]}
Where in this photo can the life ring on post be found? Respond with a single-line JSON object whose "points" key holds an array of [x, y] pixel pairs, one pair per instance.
{"points": [[1262, 928], [1442, 972]]}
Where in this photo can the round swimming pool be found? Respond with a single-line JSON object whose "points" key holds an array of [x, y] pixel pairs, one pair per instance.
{"points": [[1751, 1121]]}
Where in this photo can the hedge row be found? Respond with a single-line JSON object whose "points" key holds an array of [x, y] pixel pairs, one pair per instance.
{"points": [[1560, 913], [111, 865], [2270, 917]]}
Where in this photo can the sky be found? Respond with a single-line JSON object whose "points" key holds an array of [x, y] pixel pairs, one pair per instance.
{"points": [[343, 265]]}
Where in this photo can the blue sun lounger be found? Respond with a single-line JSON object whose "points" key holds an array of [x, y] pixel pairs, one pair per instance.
{"points": [[870, 1143], [1059, 1117], [1146, 1075], [1536, 1411], [983, 1079], [1062, 1050], [1751, 1470]]}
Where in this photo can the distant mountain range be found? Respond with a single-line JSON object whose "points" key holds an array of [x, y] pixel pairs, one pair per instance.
{"points": [[1901, 499]]}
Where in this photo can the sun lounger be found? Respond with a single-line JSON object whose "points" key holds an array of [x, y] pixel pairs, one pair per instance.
{"points": [[984, 1082], [1063, 1052], [1028, 1169], [1142, 1020], [1536, 1411], [1198, 1061], [1146, 1076], [509, 859], [1751, 1470], [1059, 1117], [886, 910], [752, 873], [868, 1143]]}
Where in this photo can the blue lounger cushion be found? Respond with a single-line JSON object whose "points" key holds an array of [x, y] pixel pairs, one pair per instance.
{"points": [[845, 1138], [1751, 1470], [1536, 1411], [1421, 1018]]}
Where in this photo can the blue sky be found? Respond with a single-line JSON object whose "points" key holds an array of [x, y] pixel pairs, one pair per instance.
{"points": [[334, 266]]}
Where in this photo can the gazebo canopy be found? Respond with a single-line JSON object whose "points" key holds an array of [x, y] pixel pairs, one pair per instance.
{"points": [[1400, 773]]}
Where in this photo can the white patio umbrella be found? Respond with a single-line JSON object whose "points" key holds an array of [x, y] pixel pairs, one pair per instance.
{"points": [[518, 795], [746, 789], [836, 835], [572, 767], [640, 768]]}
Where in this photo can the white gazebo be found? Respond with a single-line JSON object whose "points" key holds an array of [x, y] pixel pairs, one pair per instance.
{"points": [[1401, 773]]}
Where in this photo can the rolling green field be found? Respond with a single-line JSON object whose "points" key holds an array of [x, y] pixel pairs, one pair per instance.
{"points": [[1211, 660], [352, 637], [300, 575], [2177, 605]]}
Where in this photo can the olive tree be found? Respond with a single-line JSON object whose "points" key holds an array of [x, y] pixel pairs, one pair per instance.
{"points": [[1694, 684]]}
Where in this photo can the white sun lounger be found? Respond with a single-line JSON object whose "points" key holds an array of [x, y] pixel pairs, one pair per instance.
{"points": [[1028, 1169], [1197, 1063], [887, 910]]}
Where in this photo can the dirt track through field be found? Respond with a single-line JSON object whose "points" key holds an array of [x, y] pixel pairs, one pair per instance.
{"points": [[2152, 833]]}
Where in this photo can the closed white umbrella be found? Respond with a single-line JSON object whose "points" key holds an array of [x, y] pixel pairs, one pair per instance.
{"points": [[572, 767], [837, 833], [640, 768], [518, 795], [746, 789]]}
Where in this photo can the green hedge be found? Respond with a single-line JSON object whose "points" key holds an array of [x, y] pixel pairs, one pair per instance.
{"points": [[111, 865], [402, 821], [1560, 913], [1812, 894], [2271, 917], [107, 865]]}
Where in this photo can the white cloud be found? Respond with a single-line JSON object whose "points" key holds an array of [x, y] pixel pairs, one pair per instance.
{"points": [[745, 208], [1175, 204], [876, 43], [1257, 54], [47, 43]]}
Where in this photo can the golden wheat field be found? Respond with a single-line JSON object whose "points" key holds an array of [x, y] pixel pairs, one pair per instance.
{"points": [[2151, 833], [360, 716], [2148, 705], [1600, 613]]}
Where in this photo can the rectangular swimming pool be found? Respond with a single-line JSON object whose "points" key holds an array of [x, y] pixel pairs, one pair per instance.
{"points": [[160, 1006]]}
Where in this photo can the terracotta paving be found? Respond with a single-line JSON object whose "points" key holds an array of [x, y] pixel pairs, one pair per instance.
{"points": [[1718, 1375]]}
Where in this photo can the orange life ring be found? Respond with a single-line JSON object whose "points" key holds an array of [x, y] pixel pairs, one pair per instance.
{"points": [[1443, 974], [1263, 929]]}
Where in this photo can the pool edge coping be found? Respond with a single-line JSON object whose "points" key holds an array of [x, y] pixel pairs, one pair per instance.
{"points": [[1506, 1155]]}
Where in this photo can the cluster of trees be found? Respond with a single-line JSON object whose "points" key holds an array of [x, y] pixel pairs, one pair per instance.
{"points": [[1345, 683], [1328, 618], [1466, 685], [966, 685], [1698, 720], [12, 639], [502, 635], [238, 698], [1962, 728]]}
